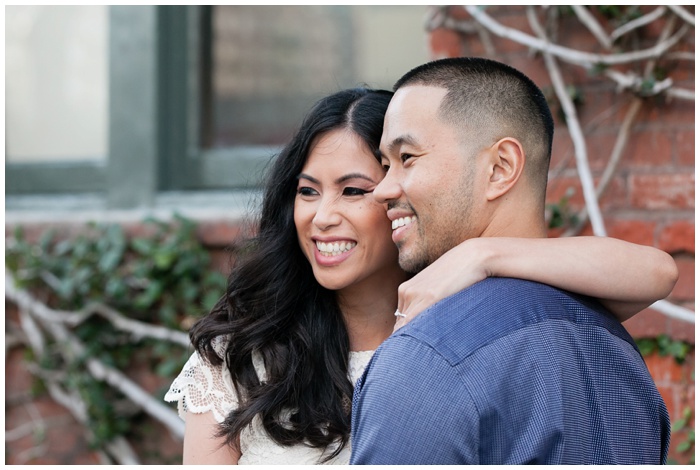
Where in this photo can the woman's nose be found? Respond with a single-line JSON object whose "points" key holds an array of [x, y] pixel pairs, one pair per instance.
{"points": [[327, 215]]}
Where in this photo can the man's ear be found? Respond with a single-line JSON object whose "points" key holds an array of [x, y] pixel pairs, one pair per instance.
{"points": [[506, 163]]}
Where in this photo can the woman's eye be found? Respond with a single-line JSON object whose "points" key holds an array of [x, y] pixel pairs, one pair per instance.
{"points": [[306, 191], [354, 192]]}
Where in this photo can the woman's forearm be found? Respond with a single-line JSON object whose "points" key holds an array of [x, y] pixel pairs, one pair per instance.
{"points": [[626, 277]]}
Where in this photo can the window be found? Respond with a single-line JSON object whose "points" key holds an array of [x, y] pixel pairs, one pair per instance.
{"points": [[56, 96], [155, 99]]}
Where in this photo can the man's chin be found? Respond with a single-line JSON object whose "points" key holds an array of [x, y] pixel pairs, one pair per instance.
{"points": [[412, 263]]}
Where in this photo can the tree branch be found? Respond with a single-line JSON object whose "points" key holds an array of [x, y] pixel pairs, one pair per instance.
{"points": [[638, 23], [615, 157], [592, 24], [137, 329], [685, 15], [575, 131], [100, 371], [585, 59]]}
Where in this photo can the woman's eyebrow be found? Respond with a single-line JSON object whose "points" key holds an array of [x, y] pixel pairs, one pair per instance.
{"points": [[307, 177], [351, 176]]}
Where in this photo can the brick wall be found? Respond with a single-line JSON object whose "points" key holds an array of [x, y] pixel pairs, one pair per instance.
{"points": [[650, 200]]}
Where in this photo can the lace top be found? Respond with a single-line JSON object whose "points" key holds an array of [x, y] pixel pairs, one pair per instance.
{"points": [[203, 388]]}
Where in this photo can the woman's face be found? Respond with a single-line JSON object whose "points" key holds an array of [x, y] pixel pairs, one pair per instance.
{"points": [[343, 232]]}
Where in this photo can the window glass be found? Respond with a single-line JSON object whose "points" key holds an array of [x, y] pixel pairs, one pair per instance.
{"points": [[55, 83], [269, 64]]}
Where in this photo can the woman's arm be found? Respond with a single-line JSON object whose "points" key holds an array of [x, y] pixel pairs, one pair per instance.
{"points": [[201, 447], [624, 276]]}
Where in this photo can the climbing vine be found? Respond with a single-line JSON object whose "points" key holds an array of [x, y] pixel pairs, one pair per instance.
{"points": [[101, 303]]}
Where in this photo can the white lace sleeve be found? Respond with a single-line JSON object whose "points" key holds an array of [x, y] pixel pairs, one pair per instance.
{"points": [[202, 387]]}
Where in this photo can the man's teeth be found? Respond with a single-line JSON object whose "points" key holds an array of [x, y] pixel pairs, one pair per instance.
{"points": [[334, 248], [402, 221]]}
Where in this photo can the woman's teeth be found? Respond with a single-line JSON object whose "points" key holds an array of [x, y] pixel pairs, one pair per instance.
{"points": [[402, 221], [335, 248]]}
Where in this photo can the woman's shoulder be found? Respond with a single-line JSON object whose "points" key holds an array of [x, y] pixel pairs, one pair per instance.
{"points": [[203, 387]]}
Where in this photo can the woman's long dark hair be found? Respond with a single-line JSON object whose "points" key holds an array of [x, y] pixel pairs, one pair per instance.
{"points": [[275, 307]]}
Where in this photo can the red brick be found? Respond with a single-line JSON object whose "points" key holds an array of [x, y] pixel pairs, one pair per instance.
{"points": [[458, 12], [445, 43], [221, 261], [648, 149], [685, 287], [681, 330], [664, 369], [599, 146], [598, 112], [669, 113], [677, 236], [646, 324], [15, 367], [219, 234], [685, 148], [662, 191], [668, 394], [532, 66], [635, 231], [614, 196]]}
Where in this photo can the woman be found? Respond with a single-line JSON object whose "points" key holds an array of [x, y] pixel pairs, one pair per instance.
{"points": [[315, 293]]}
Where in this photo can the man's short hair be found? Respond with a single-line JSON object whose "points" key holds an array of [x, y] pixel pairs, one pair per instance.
{"points": [[492, 100]]}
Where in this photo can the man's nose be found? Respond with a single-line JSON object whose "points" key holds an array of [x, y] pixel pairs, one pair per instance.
{"points": [[388, 189]]}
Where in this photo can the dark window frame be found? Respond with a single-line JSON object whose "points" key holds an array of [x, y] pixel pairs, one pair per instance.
{"points": [[156, 57]]}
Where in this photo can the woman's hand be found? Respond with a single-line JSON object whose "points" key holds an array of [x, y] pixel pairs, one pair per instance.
{"points": [[624, 276], [457, 269]]}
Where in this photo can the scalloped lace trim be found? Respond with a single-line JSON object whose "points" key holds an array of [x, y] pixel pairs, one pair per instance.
{"points": [[202, 387]]}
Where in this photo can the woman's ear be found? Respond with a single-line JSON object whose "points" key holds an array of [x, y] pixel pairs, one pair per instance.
{"points": [[507, 161]]}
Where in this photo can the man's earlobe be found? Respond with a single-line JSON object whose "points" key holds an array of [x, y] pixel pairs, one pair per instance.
{"points": [[507, 163]]}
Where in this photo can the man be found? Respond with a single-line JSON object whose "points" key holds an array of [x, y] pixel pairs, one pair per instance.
{"points": [[507, 371]]}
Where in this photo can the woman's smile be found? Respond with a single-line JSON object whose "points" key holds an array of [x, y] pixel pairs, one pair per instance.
{"points": [[343, 232]]}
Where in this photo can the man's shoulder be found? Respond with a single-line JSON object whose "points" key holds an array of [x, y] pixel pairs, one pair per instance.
{"points": [[496, 307]]}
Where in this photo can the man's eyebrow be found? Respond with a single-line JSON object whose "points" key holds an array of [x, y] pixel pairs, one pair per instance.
{"points": [[401, 140]]}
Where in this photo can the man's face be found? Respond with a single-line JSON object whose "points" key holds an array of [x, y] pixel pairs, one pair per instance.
{"points": [[432, 189]]}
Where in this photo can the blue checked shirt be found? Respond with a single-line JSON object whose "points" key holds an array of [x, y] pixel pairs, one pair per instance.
{"points": [[509, 372]]}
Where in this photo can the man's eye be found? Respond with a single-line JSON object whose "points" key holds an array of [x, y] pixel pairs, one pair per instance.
{"points": [[306, 191], [349, 191], [405, 157], [385, 167]]}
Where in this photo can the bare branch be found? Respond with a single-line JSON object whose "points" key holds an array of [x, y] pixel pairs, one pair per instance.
{"points": [[637, 85], [681, 93], [439, 18], [575, 131], [674, 311], [136, 328], [680, 55], [585, 59], [630, 81], [31, 330], [638, 23], [118, 447], [121, 382], [615, 157], [592, 24], [687, 16], [100, 371]]}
